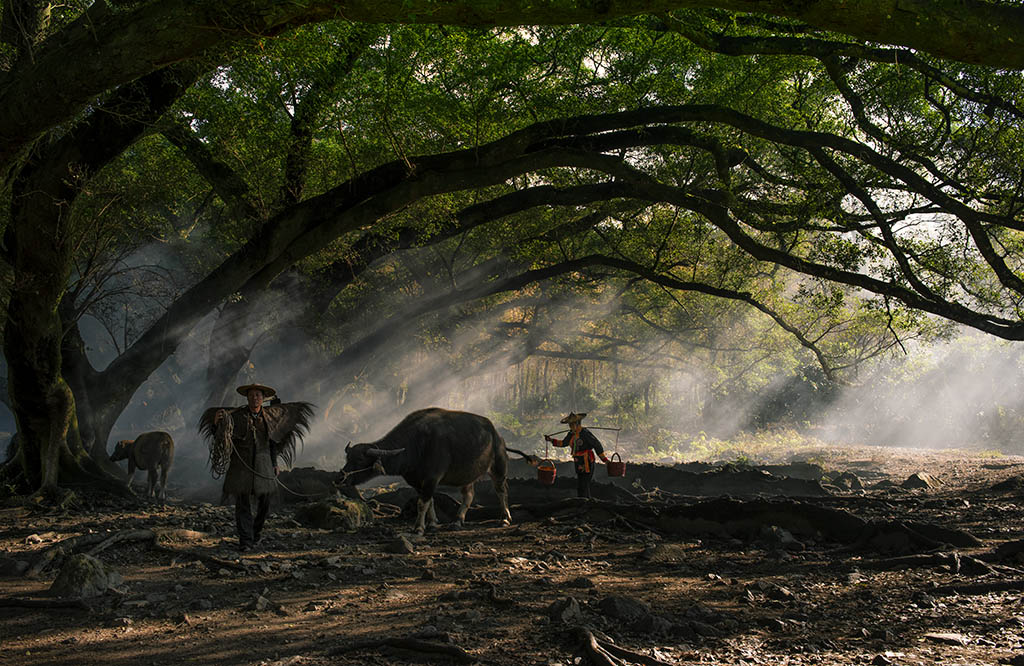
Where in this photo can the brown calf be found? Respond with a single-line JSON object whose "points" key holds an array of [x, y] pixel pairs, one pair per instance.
{"points": [[151, 451]]}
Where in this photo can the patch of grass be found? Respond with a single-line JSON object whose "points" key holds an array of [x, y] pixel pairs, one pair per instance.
{"points": [[760, 447]]}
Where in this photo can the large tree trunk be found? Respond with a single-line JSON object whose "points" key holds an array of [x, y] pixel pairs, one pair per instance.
{"points": [[49, 449], [41, 242]]}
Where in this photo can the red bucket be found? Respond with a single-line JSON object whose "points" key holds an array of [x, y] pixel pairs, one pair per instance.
{"points": [[546, 472], [616, 467]]}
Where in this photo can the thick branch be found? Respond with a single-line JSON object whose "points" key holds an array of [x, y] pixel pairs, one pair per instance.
{"points": [[105, 49]]}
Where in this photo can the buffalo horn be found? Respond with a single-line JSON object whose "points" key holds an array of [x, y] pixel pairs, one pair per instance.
{"points": [[384, 453]]}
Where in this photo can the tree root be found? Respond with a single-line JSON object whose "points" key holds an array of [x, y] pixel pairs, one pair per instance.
{"points": [[419, 645], [979, 588], [211, 561], [603, 653], [65, 547], [101, 542], [123, 535], [20, 602], [957, 563]]}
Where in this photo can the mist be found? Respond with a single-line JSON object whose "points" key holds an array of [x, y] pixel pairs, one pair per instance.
{"points": [[965, 393]]}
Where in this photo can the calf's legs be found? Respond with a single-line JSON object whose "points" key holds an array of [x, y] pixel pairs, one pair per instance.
{"points": [[425, 503], [501, 490], [467, 498]]}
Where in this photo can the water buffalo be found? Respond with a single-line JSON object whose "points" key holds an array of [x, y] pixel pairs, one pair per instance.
{"points": [[152, 451], [433, 447]]}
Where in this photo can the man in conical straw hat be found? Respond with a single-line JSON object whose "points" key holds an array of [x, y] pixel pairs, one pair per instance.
{"points": [[585, 448], [249, 440]]}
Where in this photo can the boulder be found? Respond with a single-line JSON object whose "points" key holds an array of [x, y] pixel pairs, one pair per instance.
{"points": [[337, 514], [84, 576]]}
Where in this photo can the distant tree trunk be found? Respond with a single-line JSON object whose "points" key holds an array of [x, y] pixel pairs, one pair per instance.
{"points": [[231, 344], [547, 386]]}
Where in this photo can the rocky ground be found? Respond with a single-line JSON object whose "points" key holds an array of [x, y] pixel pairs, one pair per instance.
{"points": [[908, 584]]}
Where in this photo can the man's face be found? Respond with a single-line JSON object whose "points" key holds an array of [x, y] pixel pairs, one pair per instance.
{"points": [[255, 397], [576, 426]]}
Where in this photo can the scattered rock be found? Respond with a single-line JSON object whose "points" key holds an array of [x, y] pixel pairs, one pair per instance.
{"points": [[623, 608], [922, 480], [566, 610], [776, 536], [581, 582], [1010, 484], [84, 576], [401, 545], [923, 599], [472, 615], [947, 638], [770, 590], [337, 514], [664, 552], [849, 481], [12, 568], [653, 624]]}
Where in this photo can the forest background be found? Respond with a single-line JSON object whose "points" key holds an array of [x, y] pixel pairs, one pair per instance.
{"points": [[689, 221]]}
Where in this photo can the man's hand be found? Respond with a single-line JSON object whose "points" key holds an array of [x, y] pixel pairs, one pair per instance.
{"points": [[276, 471], [547, 438], [218, 416]]}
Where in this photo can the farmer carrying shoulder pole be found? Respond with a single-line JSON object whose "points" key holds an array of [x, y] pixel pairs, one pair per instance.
{"points": [[245, 444], [585, 447]]}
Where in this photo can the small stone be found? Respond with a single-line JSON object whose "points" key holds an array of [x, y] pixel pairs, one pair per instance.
{"points": [[13, 568], [565, 610], [623, 608], [401, 545], [580, 582], [920, 480], [947, 638]]}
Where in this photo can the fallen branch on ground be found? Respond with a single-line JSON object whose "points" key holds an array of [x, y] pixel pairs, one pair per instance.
{"points": [[123, 535], [957, 563], [101, 542], [429, 648], [63, 547], [20, 602], [979, 588], [211, 561]]}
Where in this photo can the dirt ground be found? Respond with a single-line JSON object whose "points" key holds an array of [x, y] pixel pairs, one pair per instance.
{"points": [[517, 595]]}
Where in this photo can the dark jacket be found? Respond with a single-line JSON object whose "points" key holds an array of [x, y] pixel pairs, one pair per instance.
{"points": [[253, 456], [584, 447]]}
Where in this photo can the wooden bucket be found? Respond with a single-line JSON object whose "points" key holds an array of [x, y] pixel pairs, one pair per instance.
{"points": [[616, 467], [546, 472]]}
